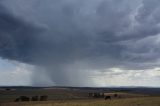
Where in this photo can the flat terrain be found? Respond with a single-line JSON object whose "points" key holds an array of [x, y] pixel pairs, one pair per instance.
{"points": [[53, 94], [143, 101], [80, 97]]}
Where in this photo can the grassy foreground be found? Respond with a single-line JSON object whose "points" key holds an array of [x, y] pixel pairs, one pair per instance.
{"points": [[145, 101]]}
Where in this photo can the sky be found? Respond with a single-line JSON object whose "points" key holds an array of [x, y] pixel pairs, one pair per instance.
{"points": [[91, 43]]}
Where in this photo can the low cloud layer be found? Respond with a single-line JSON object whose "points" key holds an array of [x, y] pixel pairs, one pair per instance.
{"points": [[67, 39], [13, 73]]}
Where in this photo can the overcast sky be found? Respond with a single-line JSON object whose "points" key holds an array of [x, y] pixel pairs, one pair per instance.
{"points": [[80, 42]]}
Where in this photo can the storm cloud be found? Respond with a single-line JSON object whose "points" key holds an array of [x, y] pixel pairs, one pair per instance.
{"points": [[69, 39]]}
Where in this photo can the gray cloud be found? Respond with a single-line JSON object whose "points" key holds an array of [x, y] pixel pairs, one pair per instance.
{"points": [[66, 37]]}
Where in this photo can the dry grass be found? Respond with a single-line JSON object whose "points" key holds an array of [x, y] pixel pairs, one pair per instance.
{"points": [[143, 101]]}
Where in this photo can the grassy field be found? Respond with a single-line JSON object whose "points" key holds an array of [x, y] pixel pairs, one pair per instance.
{"points": [[79, 97], [55, 94], [142, 101], [58, 94]]}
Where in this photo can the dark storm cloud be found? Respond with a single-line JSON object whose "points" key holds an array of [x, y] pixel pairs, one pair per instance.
{"points": [[95, 34], [17, 38]]}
